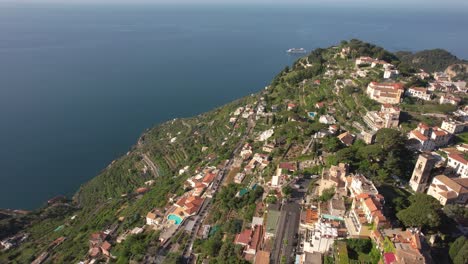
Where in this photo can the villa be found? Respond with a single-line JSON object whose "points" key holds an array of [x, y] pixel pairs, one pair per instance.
{"points": [[419, 92], [427, 138], [383, 93], [458, 163], [449, 190], [387, 117], [449, 99]]}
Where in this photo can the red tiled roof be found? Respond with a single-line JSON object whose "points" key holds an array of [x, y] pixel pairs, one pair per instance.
{"points": [[209, 177], [256, 238], [181, 201], [288, 165], [362, 196], [94, 252], [439, 133], [243, 238], [106, 246], [419, 135], [370, 205], [419, 89], [458, 158], [262, 257]]}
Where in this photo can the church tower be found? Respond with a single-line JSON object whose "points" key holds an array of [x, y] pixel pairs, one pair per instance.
{"points": [[422, 171]]}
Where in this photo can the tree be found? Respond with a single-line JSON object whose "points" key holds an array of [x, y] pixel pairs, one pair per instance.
{"points": [[462, 256], [456, 246], [389, 139], [456, 211], [327, 194], [331, 144], [424, 211], [287, 190]]}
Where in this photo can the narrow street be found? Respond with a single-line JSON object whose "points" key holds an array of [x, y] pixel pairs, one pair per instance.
{"points": [[288, 226]]}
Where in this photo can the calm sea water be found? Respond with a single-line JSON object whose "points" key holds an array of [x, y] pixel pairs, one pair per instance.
{"points": [[79, 84]]}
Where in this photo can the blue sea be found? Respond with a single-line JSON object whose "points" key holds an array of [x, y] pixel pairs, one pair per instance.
{"points": [[80, 83]]}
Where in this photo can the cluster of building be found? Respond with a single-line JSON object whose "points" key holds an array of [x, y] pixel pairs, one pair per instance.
{"points": [[362, 61], [13, 241], [447, 190], [356, 211], [387, 117], [426, 138]]}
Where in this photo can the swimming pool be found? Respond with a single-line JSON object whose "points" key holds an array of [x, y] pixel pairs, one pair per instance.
{"points": [[312, 114], [177, 220]]}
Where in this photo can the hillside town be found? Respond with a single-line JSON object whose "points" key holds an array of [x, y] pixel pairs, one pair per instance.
{"points": [[336, 168]]}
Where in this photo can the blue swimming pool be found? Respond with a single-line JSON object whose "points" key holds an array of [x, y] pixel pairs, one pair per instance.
{"points": [[312, 114], [177, 220]]}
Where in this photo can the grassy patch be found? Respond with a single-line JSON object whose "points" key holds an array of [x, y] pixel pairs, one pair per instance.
{"points": [[462, 138]]}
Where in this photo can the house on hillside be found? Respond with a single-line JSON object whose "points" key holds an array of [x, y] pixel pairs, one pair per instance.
{"points": [[449, 190], [385, 93], [346, 138]]}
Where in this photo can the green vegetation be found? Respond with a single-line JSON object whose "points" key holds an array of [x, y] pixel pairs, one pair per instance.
{"points": [[423, 212], [388, 156], [458, 251], [461, 138], [429, 60], [327, 194], [362, 251]]}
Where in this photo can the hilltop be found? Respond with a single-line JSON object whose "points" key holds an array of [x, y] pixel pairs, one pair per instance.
{"points": [[436, 60], [193, 186]]}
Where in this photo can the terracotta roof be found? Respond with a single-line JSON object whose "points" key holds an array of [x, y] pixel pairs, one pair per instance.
{"points": [[394, 86], [98, 236], [243, 237], [419, 89], [209, 177], [256, 238], [94, 252], [288, 165], [370, 205], [362, 196], [439, 133], [181, 201], [423, 125], [106, 246], [419, 135], [458, 157], [459, 185], [262, 257], [311, 216]]}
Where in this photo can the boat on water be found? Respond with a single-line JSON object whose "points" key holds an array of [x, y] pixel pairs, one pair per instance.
{"points": [[296, 50]]}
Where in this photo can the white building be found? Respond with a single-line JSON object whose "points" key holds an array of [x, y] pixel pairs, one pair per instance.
{"points": [[327, 119], [452, 126], [458, 163], [385, 93], [388, 74], [449, 190], [429, 138], [419, 92], [265, 134], [449, 99]]}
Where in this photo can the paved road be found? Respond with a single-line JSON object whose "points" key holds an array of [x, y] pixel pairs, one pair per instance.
{"points": [[151, 165], [288, 226]]}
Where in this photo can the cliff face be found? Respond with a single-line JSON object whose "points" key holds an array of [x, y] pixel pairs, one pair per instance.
{"points": [[458, 71]]}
